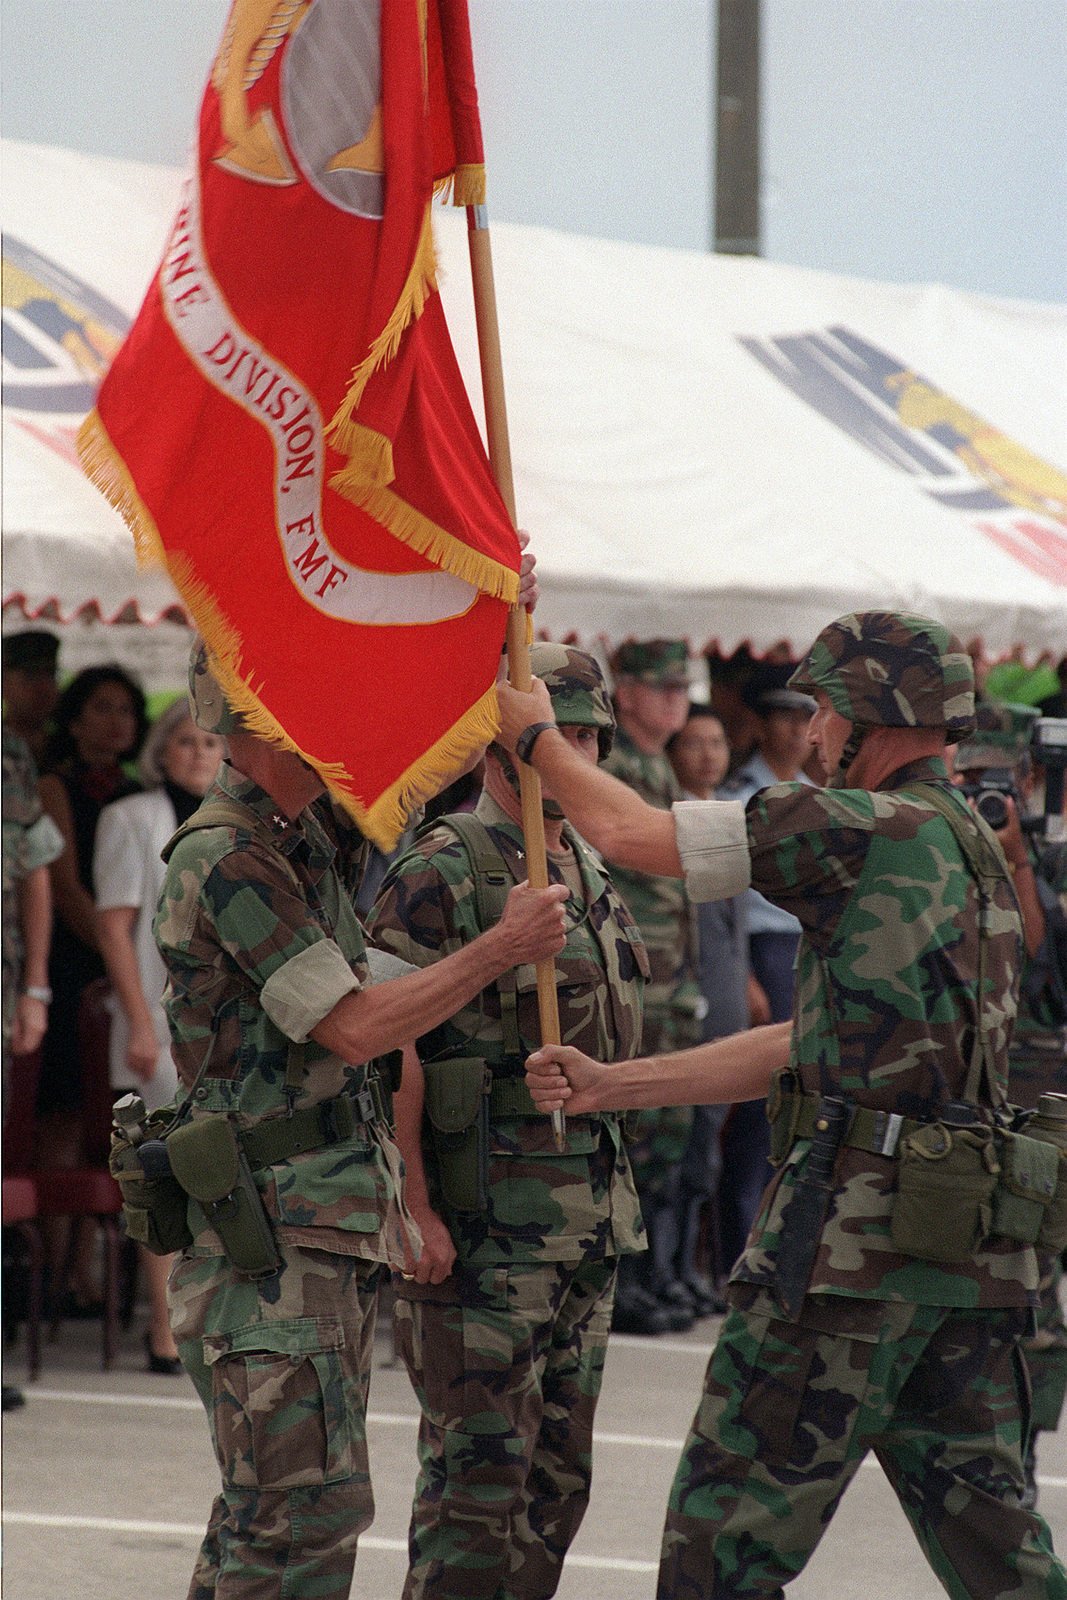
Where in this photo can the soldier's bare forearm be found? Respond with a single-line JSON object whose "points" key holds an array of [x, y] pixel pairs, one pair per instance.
{"points": [[372, 1021], [616, 820], [737, 1068]]}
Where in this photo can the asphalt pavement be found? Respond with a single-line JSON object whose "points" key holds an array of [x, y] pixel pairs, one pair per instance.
{"points": [[108, 1478]]}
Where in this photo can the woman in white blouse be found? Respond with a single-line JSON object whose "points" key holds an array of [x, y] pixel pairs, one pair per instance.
{"points": [[178, 764]]}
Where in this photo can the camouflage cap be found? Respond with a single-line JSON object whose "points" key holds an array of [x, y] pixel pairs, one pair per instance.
{"points": [[664, 663], [210, 708], [579, 694], [891, 669], [1001, 737]]}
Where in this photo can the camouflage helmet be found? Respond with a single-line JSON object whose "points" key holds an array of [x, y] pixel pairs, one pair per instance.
{"points": [[211, 710], [579, 693], [891, 669]]}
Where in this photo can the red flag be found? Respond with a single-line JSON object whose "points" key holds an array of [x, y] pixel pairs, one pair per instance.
{"points": [[286, 425]]}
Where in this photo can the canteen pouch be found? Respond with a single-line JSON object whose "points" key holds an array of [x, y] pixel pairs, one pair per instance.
{"points": [[783, 1113], [1029, 1170], [154, 1204], [207, 1160], [1052, 1236], [457, 1108], [943, 1208]]}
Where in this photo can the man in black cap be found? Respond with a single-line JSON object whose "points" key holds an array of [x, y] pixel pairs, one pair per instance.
{"points": [[30, 687]]}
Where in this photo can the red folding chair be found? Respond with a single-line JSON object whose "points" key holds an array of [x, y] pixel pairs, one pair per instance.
{"points": [[88, 1190], [20, 1214]]}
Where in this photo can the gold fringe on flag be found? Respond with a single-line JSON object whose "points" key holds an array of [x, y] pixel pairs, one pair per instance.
{"points": [[370, 454], [463, 187], [385, 819], [412, 527], [421, 282], [107, 471], [389, 815]]}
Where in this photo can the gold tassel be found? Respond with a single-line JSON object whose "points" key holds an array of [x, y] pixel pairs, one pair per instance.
{"points": [[411, 527], [421, 283]]}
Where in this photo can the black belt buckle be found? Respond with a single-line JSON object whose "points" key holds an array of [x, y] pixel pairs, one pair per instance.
{"points": [[957, 1114], [364, 1102]]}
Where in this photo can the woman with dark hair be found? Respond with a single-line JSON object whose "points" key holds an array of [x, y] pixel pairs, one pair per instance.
{"points": [[100, 721]]}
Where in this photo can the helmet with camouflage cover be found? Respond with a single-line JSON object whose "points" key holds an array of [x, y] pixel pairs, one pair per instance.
{"points": [[890, 669], [579, 693], [210, 708]]}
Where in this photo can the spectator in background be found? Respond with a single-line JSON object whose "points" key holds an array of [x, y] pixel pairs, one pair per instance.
{"points": [[651, 703], [178, 766], [30, 840], [30, 688], [783, 716], [727, 679], [100, 722], [700, 756]]}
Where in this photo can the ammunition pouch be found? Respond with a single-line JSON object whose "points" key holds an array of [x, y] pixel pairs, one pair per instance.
{"points": [[456, 1105], [959, 1180], [946, 1178], [154, 1204], [209, 1162], [1028, 1173]]}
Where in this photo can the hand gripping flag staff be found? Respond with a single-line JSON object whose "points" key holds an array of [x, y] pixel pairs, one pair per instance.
{"points": [[286, 427]]}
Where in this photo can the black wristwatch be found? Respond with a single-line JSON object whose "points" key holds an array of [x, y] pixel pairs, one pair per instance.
{"points": [[528, 738]]}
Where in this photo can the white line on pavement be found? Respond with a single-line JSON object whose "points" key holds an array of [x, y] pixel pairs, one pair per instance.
{"points": [[195, 1531], [384, 1419]]}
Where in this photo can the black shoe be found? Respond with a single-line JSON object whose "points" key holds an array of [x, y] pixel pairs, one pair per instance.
{"points": [[12, 1398], [72, 1309], [164, 1366], [673, 1292], [637, 1312], [707, 1301], [680, 1318]]}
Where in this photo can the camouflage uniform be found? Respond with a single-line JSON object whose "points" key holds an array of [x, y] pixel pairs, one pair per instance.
{"points": [[1037, 1059], [31, 840], [260, 943], [1038, 1064], [674, 1005], [506, 1356], [915, 1359]]}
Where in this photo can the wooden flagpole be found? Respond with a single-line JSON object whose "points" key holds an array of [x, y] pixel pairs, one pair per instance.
{"points": [[519, 675]]}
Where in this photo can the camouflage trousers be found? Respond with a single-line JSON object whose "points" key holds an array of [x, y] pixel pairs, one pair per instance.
{"points": [[283, 1368], [790, 1410], [1046, 1351], [507, 1365]]}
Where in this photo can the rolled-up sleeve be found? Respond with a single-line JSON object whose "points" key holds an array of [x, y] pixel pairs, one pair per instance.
{"points": [[713, 845], [305, 989]]}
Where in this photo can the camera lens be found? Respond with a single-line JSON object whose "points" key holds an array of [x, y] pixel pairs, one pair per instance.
{"points": [[993, 809]]}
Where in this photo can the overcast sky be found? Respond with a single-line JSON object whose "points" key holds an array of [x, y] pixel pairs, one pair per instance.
{"points": [[911, 140]]}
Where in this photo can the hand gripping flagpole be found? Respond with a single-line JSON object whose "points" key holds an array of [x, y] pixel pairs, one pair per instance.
{"points": [[519, 675]]}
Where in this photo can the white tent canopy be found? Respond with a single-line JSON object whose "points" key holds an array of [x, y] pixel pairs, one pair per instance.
{"points": [[715, 448]]}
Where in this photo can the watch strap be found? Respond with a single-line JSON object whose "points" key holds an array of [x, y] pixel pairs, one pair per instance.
{"points": [[528, 738]]}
